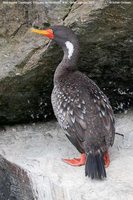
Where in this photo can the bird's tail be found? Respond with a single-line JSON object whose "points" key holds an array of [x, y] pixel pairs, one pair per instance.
{"points": [[94, 167]]}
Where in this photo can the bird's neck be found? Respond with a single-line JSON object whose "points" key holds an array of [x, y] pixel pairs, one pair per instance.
{"points": [[69, 62]]}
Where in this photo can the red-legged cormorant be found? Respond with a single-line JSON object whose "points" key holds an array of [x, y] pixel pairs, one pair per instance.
{"points": [[80, 107]]}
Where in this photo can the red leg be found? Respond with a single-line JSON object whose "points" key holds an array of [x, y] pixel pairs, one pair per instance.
{"points": [[76, 161], [106, 159]]}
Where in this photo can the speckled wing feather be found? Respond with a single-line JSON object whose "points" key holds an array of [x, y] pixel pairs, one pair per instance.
{"points": [[77, 124]]}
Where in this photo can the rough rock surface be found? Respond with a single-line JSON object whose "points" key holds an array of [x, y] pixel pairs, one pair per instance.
{"points": [[14, 182], [27, 63], [39, 148]]}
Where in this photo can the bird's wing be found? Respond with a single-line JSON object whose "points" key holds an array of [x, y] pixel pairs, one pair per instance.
{"points": [[104, 112], [72, 118], [89, 103]]}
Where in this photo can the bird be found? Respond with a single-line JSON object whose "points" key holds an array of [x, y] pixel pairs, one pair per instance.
{"points": [[82, 110]]}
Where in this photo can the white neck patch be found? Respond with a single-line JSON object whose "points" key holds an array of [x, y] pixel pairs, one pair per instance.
{"points": [[70, 48]]}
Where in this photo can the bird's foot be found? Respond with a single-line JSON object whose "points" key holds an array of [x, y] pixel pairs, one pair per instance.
{"points": [[106, 159], [76, 161]]}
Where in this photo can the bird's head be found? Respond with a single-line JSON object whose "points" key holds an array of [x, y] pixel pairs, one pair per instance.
{"points": [[64, 37], [57, 33]]}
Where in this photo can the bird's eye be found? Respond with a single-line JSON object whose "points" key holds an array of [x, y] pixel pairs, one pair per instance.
{"points": [[46, 25]]}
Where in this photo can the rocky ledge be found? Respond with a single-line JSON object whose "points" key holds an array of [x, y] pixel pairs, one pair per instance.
{"points": [[31, 167]]}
